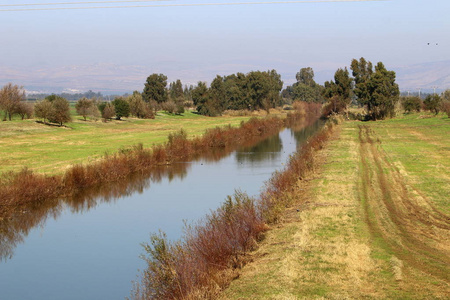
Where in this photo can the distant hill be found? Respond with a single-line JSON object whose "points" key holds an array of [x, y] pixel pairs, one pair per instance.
{"points": [[107, 78], [119, 79], [425, 76]]}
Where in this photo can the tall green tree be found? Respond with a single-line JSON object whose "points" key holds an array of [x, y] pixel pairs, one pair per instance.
{"points": [[383, 93], [307, 93], [155, 88], [121, 107], [339, 91], [202, 100], [176, 90], [263, 89], [305, 89], [362, 71], [306, 76], [236, 91]]}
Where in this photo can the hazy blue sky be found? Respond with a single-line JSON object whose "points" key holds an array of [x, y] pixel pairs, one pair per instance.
{"points": [[200, 40]]}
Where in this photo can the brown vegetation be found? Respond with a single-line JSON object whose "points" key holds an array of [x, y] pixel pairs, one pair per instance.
{"points": [[18, 188], [211, 251]]}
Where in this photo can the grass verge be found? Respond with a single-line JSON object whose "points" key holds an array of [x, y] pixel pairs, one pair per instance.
{"points": [[52, 150], [372, 222]]}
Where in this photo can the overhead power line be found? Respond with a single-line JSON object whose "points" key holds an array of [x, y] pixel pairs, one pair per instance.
{"points": [[80, 2], [170, 5]]}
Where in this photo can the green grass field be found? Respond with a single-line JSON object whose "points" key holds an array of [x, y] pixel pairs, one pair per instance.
{"points": [[51, 149], [372, 223]]}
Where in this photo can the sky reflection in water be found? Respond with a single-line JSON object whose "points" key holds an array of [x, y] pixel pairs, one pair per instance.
{"points": [[89, 247]]}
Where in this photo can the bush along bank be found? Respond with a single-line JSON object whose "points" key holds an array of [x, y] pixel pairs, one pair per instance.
{"points": [[26, 187], [208, 256]]}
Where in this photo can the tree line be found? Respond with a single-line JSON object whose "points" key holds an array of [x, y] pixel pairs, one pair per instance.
{"points": [[372, 87]]}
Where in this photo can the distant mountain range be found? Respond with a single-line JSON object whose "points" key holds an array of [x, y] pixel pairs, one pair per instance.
{"points": [[113, 79], [426, 76]]}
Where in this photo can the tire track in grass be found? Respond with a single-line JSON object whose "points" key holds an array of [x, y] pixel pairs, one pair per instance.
{"points": [[409, 226]]}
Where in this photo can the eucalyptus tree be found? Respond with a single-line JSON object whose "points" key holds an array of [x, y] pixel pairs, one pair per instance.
{"points": [[339, 91], [376, 89], [383, 93]]}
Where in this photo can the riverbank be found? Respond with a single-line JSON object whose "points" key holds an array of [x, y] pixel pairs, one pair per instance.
{"points": [[51, 150], [373, 221], [211, 251]]}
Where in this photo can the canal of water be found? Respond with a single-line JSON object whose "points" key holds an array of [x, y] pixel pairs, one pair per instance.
{"points": [[89, 248]]}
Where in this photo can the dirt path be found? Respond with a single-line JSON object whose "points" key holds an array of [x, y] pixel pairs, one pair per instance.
{"points": [[359, 230], [406, 223]]}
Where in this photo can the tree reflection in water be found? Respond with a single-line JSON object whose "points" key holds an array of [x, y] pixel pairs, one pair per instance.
{"points": [[17, 221]]}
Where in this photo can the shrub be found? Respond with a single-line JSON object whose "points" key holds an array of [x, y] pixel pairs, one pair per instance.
{"points": [[411, 104], [433, 103], [108, 110], [42, 109], [193, 266], [169, 106]]}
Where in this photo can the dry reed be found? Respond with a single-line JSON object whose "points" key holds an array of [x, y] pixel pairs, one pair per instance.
{"points": [[205, 260]]}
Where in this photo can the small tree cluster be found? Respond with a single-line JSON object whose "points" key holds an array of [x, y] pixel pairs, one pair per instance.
{"points": [[53, 108], [254, 90], [156, 95], [375, 89], [139, 108]]}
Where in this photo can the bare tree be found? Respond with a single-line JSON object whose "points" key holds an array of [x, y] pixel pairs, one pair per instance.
{"points": [[108, 112], [25, 109], [10, 98]]}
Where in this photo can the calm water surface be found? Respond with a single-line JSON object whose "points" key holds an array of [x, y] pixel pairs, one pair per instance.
{"points": [[90, 249]]}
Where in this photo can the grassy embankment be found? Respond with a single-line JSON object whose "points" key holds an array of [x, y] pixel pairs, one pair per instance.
{"points": [[25, 186], [51, 149], [373, 222]]}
